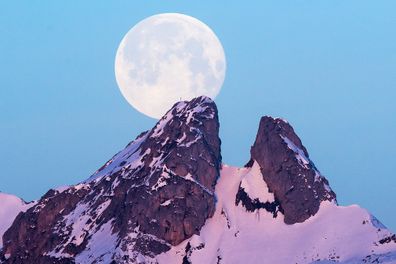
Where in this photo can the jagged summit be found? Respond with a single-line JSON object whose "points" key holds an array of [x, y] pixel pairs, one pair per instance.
{"points": [[289, 172], [182, 126], [155, 193], [167, 198]]}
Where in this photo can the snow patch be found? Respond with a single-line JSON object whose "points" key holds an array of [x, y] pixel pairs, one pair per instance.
{"points": [[10, 207], [299, 153], [167, 202], [130, 156], [255, 186], [335, 233], [101, 246]]}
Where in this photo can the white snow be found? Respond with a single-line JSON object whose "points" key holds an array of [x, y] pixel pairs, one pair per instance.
{"points": [[128, 156], [10, 207], [299, 153], [255, 186], [188, 144], [158, 129], [166, 174], [281, 119], [63, 188], [54, 253], [166, 203], [188, 113], [179, 140], [101, 246], [79, 225], [78, 219], [189, 177], [346, 234], [161, 182]]}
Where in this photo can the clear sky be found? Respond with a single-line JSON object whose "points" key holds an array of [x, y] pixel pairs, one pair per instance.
{"points": [[329, 67]]}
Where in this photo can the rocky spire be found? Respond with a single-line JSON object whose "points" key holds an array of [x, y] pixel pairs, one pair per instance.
{"points": [[288, 171], [155, 193]]}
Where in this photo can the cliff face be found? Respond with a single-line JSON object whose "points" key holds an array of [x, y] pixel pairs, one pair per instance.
{"points": [[288, 171], [152, 195]]}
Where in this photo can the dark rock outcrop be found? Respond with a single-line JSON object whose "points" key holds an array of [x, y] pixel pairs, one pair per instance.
{"points": [[288, 171], [152, 195], [253, 204]]}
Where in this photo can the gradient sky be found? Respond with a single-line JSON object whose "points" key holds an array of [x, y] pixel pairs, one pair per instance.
{"points": [[329, 67]]}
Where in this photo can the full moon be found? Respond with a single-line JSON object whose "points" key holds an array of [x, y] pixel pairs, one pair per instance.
{"points": [[166, 58]]}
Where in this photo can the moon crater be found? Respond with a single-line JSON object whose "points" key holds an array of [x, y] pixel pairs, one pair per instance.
{"points": [[166, 58]]}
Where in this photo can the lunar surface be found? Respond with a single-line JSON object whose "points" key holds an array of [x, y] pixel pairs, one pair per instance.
{"points": [[166, 58]]}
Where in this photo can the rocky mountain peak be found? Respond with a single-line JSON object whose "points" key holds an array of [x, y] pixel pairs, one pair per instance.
{"points": [[166, 198], [183, 141], [152, 195], [288, 171], [187, 141]]}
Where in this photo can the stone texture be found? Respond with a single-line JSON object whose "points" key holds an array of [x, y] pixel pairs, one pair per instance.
{"points": [[159, 191], [155, 193], [288, 171]]}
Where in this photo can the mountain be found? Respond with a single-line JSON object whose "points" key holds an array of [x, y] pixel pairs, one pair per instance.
{"points": [[167, 198], [10, 207]]}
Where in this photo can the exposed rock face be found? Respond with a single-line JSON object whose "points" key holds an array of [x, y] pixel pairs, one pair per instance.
{"points": [[288, 171], [152, 201], [154, 194]]}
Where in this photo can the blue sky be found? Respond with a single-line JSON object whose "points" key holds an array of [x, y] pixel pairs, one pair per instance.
{"points": [[326, 66]]}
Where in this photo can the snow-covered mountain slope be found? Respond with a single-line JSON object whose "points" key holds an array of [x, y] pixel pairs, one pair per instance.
{"points": [[234, 235], [166, 198], [152, 195], [10, 207]]}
